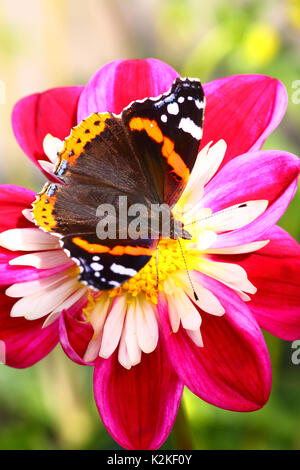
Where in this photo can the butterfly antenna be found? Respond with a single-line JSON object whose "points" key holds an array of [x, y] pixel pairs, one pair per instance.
{"points": [[156, 263], [212, 215], [187, 271]]}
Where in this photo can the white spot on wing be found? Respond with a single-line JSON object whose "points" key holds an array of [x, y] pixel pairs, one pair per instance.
{"points": [[199, 104], [119, 269], [114, 283], [173, 108], [181, 99], [97, 266], [187, 125], [164, 118]]}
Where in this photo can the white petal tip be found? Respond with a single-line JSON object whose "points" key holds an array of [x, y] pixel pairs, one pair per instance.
{"points": [[15, 313], [104, 355], [263, 204], [52, 146], [88, 358], [220, 145], [13, 262], [27, 239], [46, 166], [50, 319], [28, 214], [10, 292], [125, 365], [5, 241], [135, 363], [220, 312]]}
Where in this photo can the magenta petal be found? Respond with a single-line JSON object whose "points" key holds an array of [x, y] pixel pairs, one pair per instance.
{"points": [[243, 110], [118, 83], [270, 175], [26, 342], [282, 244], [275, 271], [256, 175], [138, 406], [12, 274], [74, 334], [232, 370], [53, 111]]}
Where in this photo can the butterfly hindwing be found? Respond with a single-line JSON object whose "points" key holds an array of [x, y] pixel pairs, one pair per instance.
{"points": [[107, 265]]}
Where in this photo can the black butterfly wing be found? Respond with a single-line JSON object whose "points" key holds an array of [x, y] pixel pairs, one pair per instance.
{"points": [[165, 134], [145, 155]]}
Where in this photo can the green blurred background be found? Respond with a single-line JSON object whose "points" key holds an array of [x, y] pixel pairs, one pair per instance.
{"points": [[48, 43]]}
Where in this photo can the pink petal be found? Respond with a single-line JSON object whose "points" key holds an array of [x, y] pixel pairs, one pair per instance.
{"points": [[13, 200], [13, 274], [75, 334], [243, 110], [270, 175], [282, 244], [138, 406], [53, 111], [232, 370], [275, 271], [118, 83], [25, 341]]}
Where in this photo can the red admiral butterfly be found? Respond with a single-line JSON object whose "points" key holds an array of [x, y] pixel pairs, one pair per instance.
{"points": [[146, 154]]}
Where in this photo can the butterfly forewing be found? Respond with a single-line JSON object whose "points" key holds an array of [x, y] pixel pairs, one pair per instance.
{"points": [[165, 133]]}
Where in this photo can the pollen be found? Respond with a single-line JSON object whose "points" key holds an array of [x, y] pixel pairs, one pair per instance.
{"points": [[150, 279]]}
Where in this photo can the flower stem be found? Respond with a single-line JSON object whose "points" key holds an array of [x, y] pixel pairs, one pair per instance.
{"points": [[182, 436]]}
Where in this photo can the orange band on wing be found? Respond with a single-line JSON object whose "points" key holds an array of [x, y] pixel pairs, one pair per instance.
{"points": [[80, 136], [154, 132], [151, 127], [174, 160], [117, 250]]}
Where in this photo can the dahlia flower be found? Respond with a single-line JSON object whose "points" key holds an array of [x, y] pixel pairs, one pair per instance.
{"points": [[145, 341]]}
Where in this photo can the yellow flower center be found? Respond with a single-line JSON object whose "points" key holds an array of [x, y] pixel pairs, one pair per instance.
{"points": [[152, 276]]}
